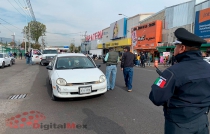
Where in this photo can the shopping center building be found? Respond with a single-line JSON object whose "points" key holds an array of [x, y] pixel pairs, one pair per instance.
{"points": [[154, 33], [118, 34]]}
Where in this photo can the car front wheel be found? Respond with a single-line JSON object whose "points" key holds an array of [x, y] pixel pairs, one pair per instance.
{"points": [[41, 63], [53, 97], [3, 64]]}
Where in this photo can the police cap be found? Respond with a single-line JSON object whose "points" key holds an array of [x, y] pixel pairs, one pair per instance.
{"points": [[187, 38]]}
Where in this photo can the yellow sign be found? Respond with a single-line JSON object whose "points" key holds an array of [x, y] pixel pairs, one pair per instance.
{"points": [[117, 43]]}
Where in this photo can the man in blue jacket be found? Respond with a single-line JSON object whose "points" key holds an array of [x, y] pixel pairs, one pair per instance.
{"points": [[184, 88]]}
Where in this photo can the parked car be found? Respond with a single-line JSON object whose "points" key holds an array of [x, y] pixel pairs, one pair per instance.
{"points": [[73, 75], [12, 60], [36, 56], [47, 56], [5, 60]]}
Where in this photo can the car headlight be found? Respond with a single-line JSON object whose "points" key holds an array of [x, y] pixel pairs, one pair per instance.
{"points": [[61, 82], [43, 57], [102, 78]]}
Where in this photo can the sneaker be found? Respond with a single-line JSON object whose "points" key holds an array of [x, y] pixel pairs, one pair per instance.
{"points": [[130, 90]]}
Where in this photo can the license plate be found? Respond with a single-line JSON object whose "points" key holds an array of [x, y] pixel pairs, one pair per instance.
{"points": [[85, 90]]}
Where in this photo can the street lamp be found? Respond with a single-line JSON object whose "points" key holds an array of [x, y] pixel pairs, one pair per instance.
{"points": [[127, 29]]}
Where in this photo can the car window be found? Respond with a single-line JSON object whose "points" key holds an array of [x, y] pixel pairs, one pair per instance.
{"points": [[74, 62], [50, 51], [1, 55], [36, 52], [53, 61]]}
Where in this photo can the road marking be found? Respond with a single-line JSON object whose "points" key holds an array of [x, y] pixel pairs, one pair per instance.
{"points": [[19, 96]]}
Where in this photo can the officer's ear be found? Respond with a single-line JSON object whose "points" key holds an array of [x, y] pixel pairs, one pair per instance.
{"points": [[182, 48]]}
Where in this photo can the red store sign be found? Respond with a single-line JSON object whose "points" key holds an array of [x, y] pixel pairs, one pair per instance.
{"points": [[97, 35]]}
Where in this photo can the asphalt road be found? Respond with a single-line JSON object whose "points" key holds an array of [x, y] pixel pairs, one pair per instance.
{"points": [[116, 112]]}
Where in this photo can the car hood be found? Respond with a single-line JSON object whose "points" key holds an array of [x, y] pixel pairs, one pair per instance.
{"points": [[80, 75], [49, 54]]}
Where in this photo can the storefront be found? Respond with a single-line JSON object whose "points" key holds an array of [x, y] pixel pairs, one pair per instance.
{"points": [[93, 41], [205, 49], [145, 37], [202, 29]]}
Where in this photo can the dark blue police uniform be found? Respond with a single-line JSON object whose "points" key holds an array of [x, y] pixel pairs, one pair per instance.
{"points": [[184, 89]]}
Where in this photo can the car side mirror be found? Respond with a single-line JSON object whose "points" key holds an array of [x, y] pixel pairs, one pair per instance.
{"points": [[49, 68], [98, 66]]}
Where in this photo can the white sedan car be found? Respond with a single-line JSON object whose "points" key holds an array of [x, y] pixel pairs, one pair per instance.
{"points": [[75, 75], [5, 60]]}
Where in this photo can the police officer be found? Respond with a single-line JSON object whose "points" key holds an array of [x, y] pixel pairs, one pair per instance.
{"points": [[111, 60], [184, 88]]}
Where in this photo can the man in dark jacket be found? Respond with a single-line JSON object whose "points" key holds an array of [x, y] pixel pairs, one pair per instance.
{"points": [[184, 88], [142, 58], [127, 63]]}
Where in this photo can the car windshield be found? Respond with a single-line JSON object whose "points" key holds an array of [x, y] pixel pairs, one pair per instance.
{"points": [[1, 55], [74, 62], [50, 51]]}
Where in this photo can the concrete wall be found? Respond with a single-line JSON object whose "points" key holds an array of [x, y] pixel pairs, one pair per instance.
{"points": [[105, 37], [158, 16], [134, 21]]}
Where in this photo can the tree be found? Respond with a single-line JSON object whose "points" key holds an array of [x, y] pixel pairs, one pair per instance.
{"points": [[36, 46], [72, 48], [79, 48], [37, 29]]}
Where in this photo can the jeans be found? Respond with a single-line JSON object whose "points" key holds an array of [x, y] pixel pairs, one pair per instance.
{"points": [[111, 70], [30, 61], [27, 60], [142, 63], [128, 77]]}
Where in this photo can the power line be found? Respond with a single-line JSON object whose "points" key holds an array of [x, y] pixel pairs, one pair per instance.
{"points": [[10, 24], [26, 6], [31, 10], [8, 29], [21, 7], [14, 7]]}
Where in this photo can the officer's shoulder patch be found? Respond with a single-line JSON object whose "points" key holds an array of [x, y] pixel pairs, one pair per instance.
{"points": [[160, 82]]}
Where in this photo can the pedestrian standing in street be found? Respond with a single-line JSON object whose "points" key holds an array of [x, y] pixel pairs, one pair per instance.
{"points": [[21, 55], [111, 60], [142, 60], [184, 88], [27, 56], [127, 63], [30, 58]]}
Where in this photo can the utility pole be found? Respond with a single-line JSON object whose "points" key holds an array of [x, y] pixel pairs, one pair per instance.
{"points": [[13, 40], [29, 38], [25, 39], [43, 43]]}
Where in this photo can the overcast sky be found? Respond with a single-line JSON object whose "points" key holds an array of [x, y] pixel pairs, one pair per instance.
{"points": [[67, 20]]}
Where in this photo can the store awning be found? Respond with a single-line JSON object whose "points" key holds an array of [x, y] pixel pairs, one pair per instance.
{"points": [[205, 45]]}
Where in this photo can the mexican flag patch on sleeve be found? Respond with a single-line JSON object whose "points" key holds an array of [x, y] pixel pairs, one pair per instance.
{"points": [[160, 82]]}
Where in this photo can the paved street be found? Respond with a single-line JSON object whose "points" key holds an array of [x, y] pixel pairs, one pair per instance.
{"points": [[116, 112]]}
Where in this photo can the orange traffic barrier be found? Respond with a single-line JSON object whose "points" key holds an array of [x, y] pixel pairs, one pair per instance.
{"points": [[156, 63]]}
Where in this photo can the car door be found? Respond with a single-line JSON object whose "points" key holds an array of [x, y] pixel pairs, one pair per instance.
{"points": [[6, 59], [52, 63]]}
